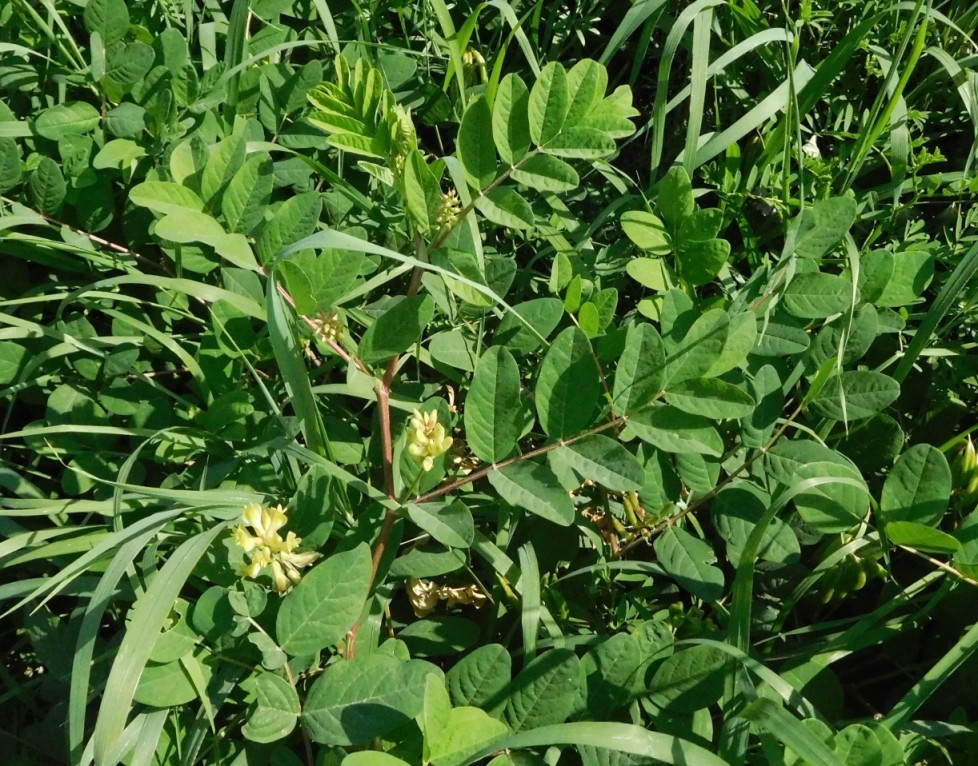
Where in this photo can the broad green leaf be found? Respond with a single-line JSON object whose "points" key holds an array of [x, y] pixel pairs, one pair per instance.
{"points": [[542, 314], [437, 706], [188, 158], [190, 226], [354, 701], [469, 267], [606, 303], [615, 672], [507, 208], [794, 734], [295, 219], [788, 456], [548, 104], [662, 484], [165, 197], [648, 232], [110, 18], [815, 295], [420, 190], [921, 537], [277, 710], [691, 679], [320, 281], [741, 338], [396, 330], [248, 194], [476, 150], [10, 172], [676, 431], [588, 319], [776, 339], [325, 604], [419, 563], [72, 118], [823, 225], [493, 417], [575, 290], [603, 460], [440, 635], [613, 114], [700, 262], [581, 143], [510, 121], [699, 350], [454, 349], [480, 677], [587, 82], [836, 497], [736, 510], [895, 279], [12, 357], [534, 488], [689, 561], [758, 427], [170, 684], [466, 731], [223, 162], [857, 745], [372, 758], [48, 187], [675, 197], [699, 473], [713, 398], [178, 639], [130, 63], [700, 226], [545, 692], [855, 394], [119, 153], [568, 386], [127, 120], [856, 333], [650, 272], [450, 524], [546, 174], [918, 488]]}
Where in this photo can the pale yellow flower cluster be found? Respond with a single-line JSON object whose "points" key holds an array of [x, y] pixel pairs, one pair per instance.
{"points": [[426, 438], [267, 548], [424, 596]]}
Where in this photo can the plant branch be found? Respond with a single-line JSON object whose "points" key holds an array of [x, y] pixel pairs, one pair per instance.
{"points": [[453, 485], [701, 501]]}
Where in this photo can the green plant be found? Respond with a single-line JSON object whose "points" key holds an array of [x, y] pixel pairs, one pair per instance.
{"points": [[371, 411]]}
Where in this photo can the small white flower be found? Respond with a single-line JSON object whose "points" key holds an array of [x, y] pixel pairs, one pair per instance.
{"points": [[810, 148]]}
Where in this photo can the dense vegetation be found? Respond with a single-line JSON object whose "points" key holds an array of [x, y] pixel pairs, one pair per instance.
{"points": [[569, 382]]}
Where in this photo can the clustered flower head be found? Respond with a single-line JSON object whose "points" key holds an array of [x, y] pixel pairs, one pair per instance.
{"points": [[426, 439], [328, 326], [424, 596], [449, 206], [267, 548]]}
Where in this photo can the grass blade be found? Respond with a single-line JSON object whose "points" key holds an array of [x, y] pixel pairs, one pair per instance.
{"points": [[622, 737], [148, 615]]}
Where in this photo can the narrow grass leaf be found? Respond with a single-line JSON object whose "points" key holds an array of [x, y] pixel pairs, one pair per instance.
{"points": [[148, 615]]}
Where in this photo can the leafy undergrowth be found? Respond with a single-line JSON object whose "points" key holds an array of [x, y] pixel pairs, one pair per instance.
{"points": [[571, 383]]}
